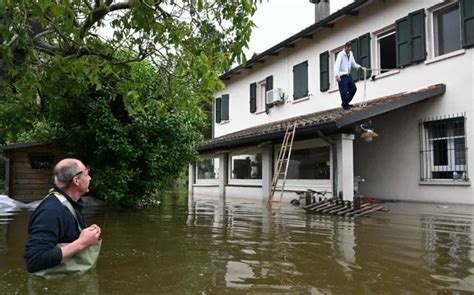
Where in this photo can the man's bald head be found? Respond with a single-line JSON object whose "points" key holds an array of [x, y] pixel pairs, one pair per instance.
{"points": [[64, 171]]}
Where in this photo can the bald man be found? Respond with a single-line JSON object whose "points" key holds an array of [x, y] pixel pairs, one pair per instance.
{"points": [[52, 223]]}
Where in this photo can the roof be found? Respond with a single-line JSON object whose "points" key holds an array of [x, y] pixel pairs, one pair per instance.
{"points": [[20, 145], [328, 121], [328, 22]]}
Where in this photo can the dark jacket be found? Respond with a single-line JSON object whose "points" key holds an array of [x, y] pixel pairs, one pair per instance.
{"points": [[50, 224]]}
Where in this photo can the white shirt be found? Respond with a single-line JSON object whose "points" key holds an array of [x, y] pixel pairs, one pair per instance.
{"points": [[344, 63]]}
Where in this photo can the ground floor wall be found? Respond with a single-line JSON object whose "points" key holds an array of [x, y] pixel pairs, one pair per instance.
{"points": [[400, 164], [247, 173], [392, 165]]}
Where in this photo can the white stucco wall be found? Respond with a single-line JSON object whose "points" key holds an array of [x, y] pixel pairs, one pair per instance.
{"points": [[391, 163], [373, 18]]}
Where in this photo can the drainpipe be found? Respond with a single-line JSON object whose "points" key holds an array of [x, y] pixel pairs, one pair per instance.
{"points": [[334, 161]]}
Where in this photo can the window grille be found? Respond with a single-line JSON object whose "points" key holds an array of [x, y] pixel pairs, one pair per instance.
{"points": [[443, 152]]}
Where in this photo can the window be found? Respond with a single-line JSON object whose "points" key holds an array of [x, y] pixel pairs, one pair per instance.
{"points": [[309, 163], [258, 95], [386, 49], [361, 53], [261, 95], [447, 29], [309, 166], [207, 169], [333, 55], [443, 154], [300, 80], [245, 167], [222, 108]]}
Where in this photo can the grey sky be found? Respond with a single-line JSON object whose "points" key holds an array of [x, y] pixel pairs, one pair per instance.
{"points": [[277, 20]]}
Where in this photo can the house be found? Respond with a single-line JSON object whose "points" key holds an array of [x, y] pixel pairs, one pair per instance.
{"points": [[28, 169], [419, 100]]}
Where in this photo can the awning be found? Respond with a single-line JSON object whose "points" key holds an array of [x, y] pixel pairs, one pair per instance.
{"points": [[329, 121]]}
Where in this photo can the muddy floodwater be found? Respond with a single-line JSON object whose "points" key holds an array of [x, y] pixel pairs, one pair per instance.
{"points": [[209, 248]]}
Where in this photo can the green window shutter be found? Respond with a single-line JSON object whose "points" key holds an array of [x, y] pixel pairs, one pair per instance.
{"points": [[324, 71], [268, 87], [467, 22], [417, 36], [218, 110], [253, 97], [364, 54], [355, 53], [300, 80], [268, 83], [304, 79], [225, 107], [403, 41], [297, 93]]}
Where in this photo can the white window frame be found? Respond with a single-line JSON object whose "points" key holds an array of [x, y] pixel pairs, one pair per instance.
{"points": [[433, 36], [232, 181], [428, 166], [302, 184], [214, 108], [261, 97], [379, 35], [216, 170], [451, 154], [332, 60]]}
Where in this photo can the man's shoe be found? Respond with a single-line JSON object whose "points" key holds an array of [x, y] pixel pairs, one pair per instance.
{"points": [[346, 108]]}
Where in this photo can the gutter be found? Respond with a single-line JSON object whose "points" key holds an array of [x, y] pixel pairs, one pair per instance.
{"points": [[327, 22], [278, 135]]}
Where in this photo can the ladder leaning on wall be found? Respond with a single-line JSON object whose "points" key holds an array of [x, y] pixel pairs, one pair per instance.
{"points": [[283, 159]]}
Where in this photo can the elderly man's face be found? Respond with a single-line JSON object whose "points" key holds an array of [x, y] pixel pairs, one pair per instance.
{"points": [[84, 179]]}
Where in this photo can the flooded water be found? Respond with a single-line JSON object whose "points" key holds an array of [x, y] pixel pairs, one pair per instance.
{"points": [[243, 248]]}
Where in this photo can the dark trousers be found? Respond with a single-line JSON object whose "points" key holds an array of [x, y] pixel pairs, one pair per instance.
{"points": [[347, 89]]}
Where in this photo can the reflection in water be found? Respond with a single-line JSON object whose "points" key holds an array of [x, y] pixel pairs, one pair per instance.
{"points": [[448, 237], [208, 248]]}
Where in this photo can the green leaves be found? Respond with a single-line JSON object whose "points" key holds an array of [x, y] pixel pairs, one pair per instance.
{"points": [[119, 85]]}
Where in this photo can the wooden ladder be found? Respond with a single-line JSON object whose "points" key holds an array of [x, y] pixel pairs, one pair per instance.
{"points": [[283, 159]]}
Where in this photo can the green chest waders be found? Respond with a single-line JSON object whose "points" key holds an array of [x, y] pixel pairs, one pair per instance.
{"points": [[78, 264]]}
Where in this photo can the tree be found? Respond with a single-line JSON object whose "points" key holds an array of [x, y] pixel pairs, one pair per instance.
{"points": [[129, 102]]}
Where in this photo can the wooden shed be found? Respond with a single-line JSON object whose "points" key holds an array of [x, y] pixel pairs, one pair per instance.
{"points": [[29, 169]]}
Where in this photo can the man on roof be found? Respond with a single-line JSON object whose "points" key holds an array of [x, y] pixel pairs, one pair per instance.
{"points": [[342, 70]]}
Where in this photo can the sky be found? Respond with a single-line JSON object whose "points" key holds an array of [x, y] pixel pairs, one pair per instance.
{"points": [[277, 20]]}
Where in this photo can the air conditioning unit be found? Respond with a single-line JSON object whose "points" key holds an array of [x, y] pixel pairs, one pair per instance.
{"points": [[275, 96]]}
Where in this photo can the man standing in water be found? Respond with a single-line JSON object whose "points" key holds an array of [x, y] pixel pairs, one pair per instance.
{"points": [[342, 70], [57, 229]]}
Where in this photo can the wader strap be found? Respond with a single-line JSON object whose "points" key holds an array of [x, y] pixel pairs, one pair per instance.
{"points": [[81, 262], [68, 205]]}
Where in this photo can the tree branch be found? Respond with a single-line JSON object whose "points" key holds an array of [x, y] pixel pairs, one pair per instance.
{"points": [[88, 5], [43, 33], [98, 13], [13, 40], [46, 47]]}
